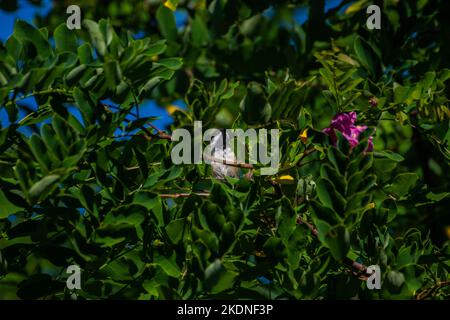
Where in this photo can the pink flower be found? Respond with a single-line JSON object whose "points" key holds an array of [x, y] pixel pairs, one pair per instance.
{"points": [[345, 123]]}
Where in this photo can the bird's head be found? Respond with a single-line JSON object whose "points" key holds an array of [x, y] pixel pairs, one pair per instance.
{"points": [[219, 141]]}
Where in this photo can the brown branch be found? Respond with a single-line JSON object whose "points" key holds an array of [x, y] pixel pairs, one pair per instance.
{"points": [[161, 134], [189, 73], [229, 163], [430, 291], [309, 225], [183, 195], [138, 167]]}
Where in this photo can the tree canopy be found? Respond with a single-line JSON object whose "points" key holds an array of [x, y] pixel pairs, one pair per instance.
{"points": [[363, 180]]}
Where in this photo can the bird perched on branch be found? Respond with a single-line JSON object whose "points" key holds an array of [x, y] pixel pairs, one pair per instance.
{"points": [[223, 152]]}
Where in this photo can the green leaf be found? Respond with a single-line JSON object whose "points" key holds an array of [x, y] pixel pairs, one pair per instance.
{"points": [[338, 241], [86, 105], [254, 106], [39, 150], [171, 63], [42, 187], [87, 198], [156, 48], [437, 196], [199, 33], [213, 274], [6, 207], [65, 39], [286, 219], [390, 155], [132, 215], [96, 36], [324, 213], [227, 237], [25, 32], [85, 53], [402, 183], [329, 196], [366, 55], [113, 74], [175, 230], [54, 150], [166, 23], [34, 79], [168, 265], [395, 281], [14, 47], [152, 202], [151, 286], [108, 242], [76, 73], [274, 249]]}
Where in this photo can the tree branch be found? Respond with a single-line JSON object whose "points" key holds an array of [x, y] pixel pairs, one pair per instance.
{"points": [[229, 163], [183, 195], [348, 262], [430, 291]]}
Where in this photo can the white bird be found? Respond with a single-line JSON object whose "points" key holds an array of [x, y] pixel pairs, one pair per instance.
{"points": [[220, 151]]}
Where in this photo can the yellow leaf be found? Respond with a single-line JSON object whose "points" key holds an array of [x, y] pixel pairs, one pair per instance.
{"points": [[355, 7], [345, 58], [172, 108], [447, 231], [286, 179], [171, 5], [304, 136], [201, 4], [260, 254]]}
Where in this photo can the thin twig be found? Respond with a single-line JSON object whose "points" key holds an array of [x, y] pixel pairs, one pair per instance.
{"points": [[430, 291], [183, 195], [309, 225], [229, 163], [161, 134]]}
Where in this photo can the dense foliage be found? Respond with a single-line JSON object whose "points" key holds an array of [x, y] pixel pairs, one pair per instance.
{"points": [[85, 180]]}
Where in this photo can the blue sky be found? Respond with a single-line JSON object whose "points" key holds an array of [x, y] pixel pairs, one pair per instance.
{"points": [[24, 12]]}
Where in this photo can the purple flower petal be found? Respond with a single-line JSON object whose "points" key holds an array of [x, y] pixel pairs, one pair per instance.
{"points": [[345, 123]]}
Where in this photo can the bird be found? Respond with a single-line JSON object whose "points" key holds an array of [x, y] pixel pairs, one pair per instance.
{"points": [[222, 151]]}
